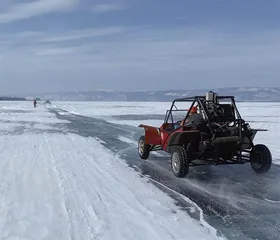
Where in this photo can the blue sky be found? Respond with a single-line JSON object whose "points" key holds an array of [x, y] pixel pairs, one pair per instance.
{"points": [[66, 45]]}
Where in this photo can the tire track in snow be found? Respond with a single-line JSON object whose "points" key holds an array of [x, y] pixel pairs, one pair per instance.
{"points": [[108, 193], [59, 180], [81, 179], [87, 188], [102, 173], [14, 172], [79, 219], [144, 209], [5, 180], [10, 157], [30, 196]]}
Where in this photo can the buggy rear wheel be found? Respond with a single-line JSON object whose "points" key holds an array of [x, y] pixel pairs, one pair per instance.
{"points": [[260, 158], [143, 148], [179, 162]]}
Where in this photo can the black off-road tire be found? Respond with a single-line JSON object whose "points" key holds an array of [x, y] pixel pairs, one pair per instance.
{"points": [[179, 161], [143, 148], [260, 158]]}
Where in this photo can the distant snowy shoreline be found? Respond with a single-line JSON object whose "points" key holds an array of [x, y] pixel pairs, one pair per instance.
{"points": [[271, 94]]}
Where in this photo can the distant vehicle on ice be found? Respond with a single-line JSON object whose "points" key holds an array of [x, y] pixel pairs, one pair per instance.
{"points": [[47, 102]]}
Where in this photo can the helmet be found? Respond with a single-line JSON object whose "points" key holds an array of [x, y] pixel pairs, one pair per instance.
{"points": [[194, 110]]}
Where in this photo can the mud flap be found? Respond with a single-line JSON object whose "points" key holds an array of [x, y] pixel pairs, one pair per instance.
{"points": [[152, 135]]}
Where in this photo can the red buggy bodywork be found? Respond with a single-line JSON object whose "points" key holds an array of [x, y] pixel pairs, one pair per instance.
{"points": [[152, 135], [214, 132], [160, 137]]}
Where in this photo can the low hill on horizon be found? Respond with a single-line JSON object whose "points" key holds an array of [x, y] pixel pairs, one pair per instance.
{"points": [[255, 94], [8, 98]]}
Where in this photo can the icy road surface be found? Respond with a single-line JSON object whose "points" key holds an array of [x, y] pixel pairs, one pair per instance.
{"points": [[59, 179], [237, 202]]}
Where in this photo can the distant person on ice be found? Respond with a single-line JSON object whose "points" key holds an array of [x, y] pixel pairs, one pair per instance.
{"points": [[35, 103]]}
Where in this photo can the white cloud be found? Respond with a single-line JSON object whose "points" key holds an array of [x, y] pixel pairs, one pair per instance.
{"points": [[84, 33], [33, 39], [55, 51], [101, 8], [15, 12], [61, 51]]}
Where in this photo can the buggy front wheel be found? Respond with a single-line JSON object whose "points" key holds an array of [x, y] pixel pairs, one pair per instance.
{"points": [[143, 148], [260, 158]]}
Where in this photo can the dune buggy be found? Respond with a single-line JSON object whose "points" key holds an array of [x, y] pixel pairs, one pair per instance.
{"points": [[211, 130]]}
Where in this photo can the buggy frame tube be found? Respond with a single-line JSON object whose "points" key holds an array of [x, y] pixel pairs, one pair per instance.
{"points": [[207, 116], [170, 110], [188, 113]]}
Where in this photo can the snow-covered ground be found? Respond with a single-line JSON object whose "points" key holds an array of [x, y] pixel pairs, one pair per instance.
{"points": [[260, 115], [59, 185]]}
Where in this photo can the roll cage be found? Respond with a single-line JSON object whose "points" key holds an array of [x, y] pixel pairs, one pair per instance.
{"points": [[201, 103]]}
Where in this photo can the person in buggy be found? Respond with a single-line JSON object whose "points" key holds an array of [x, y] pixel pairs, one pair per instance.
{"points": [[193, 116]]}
